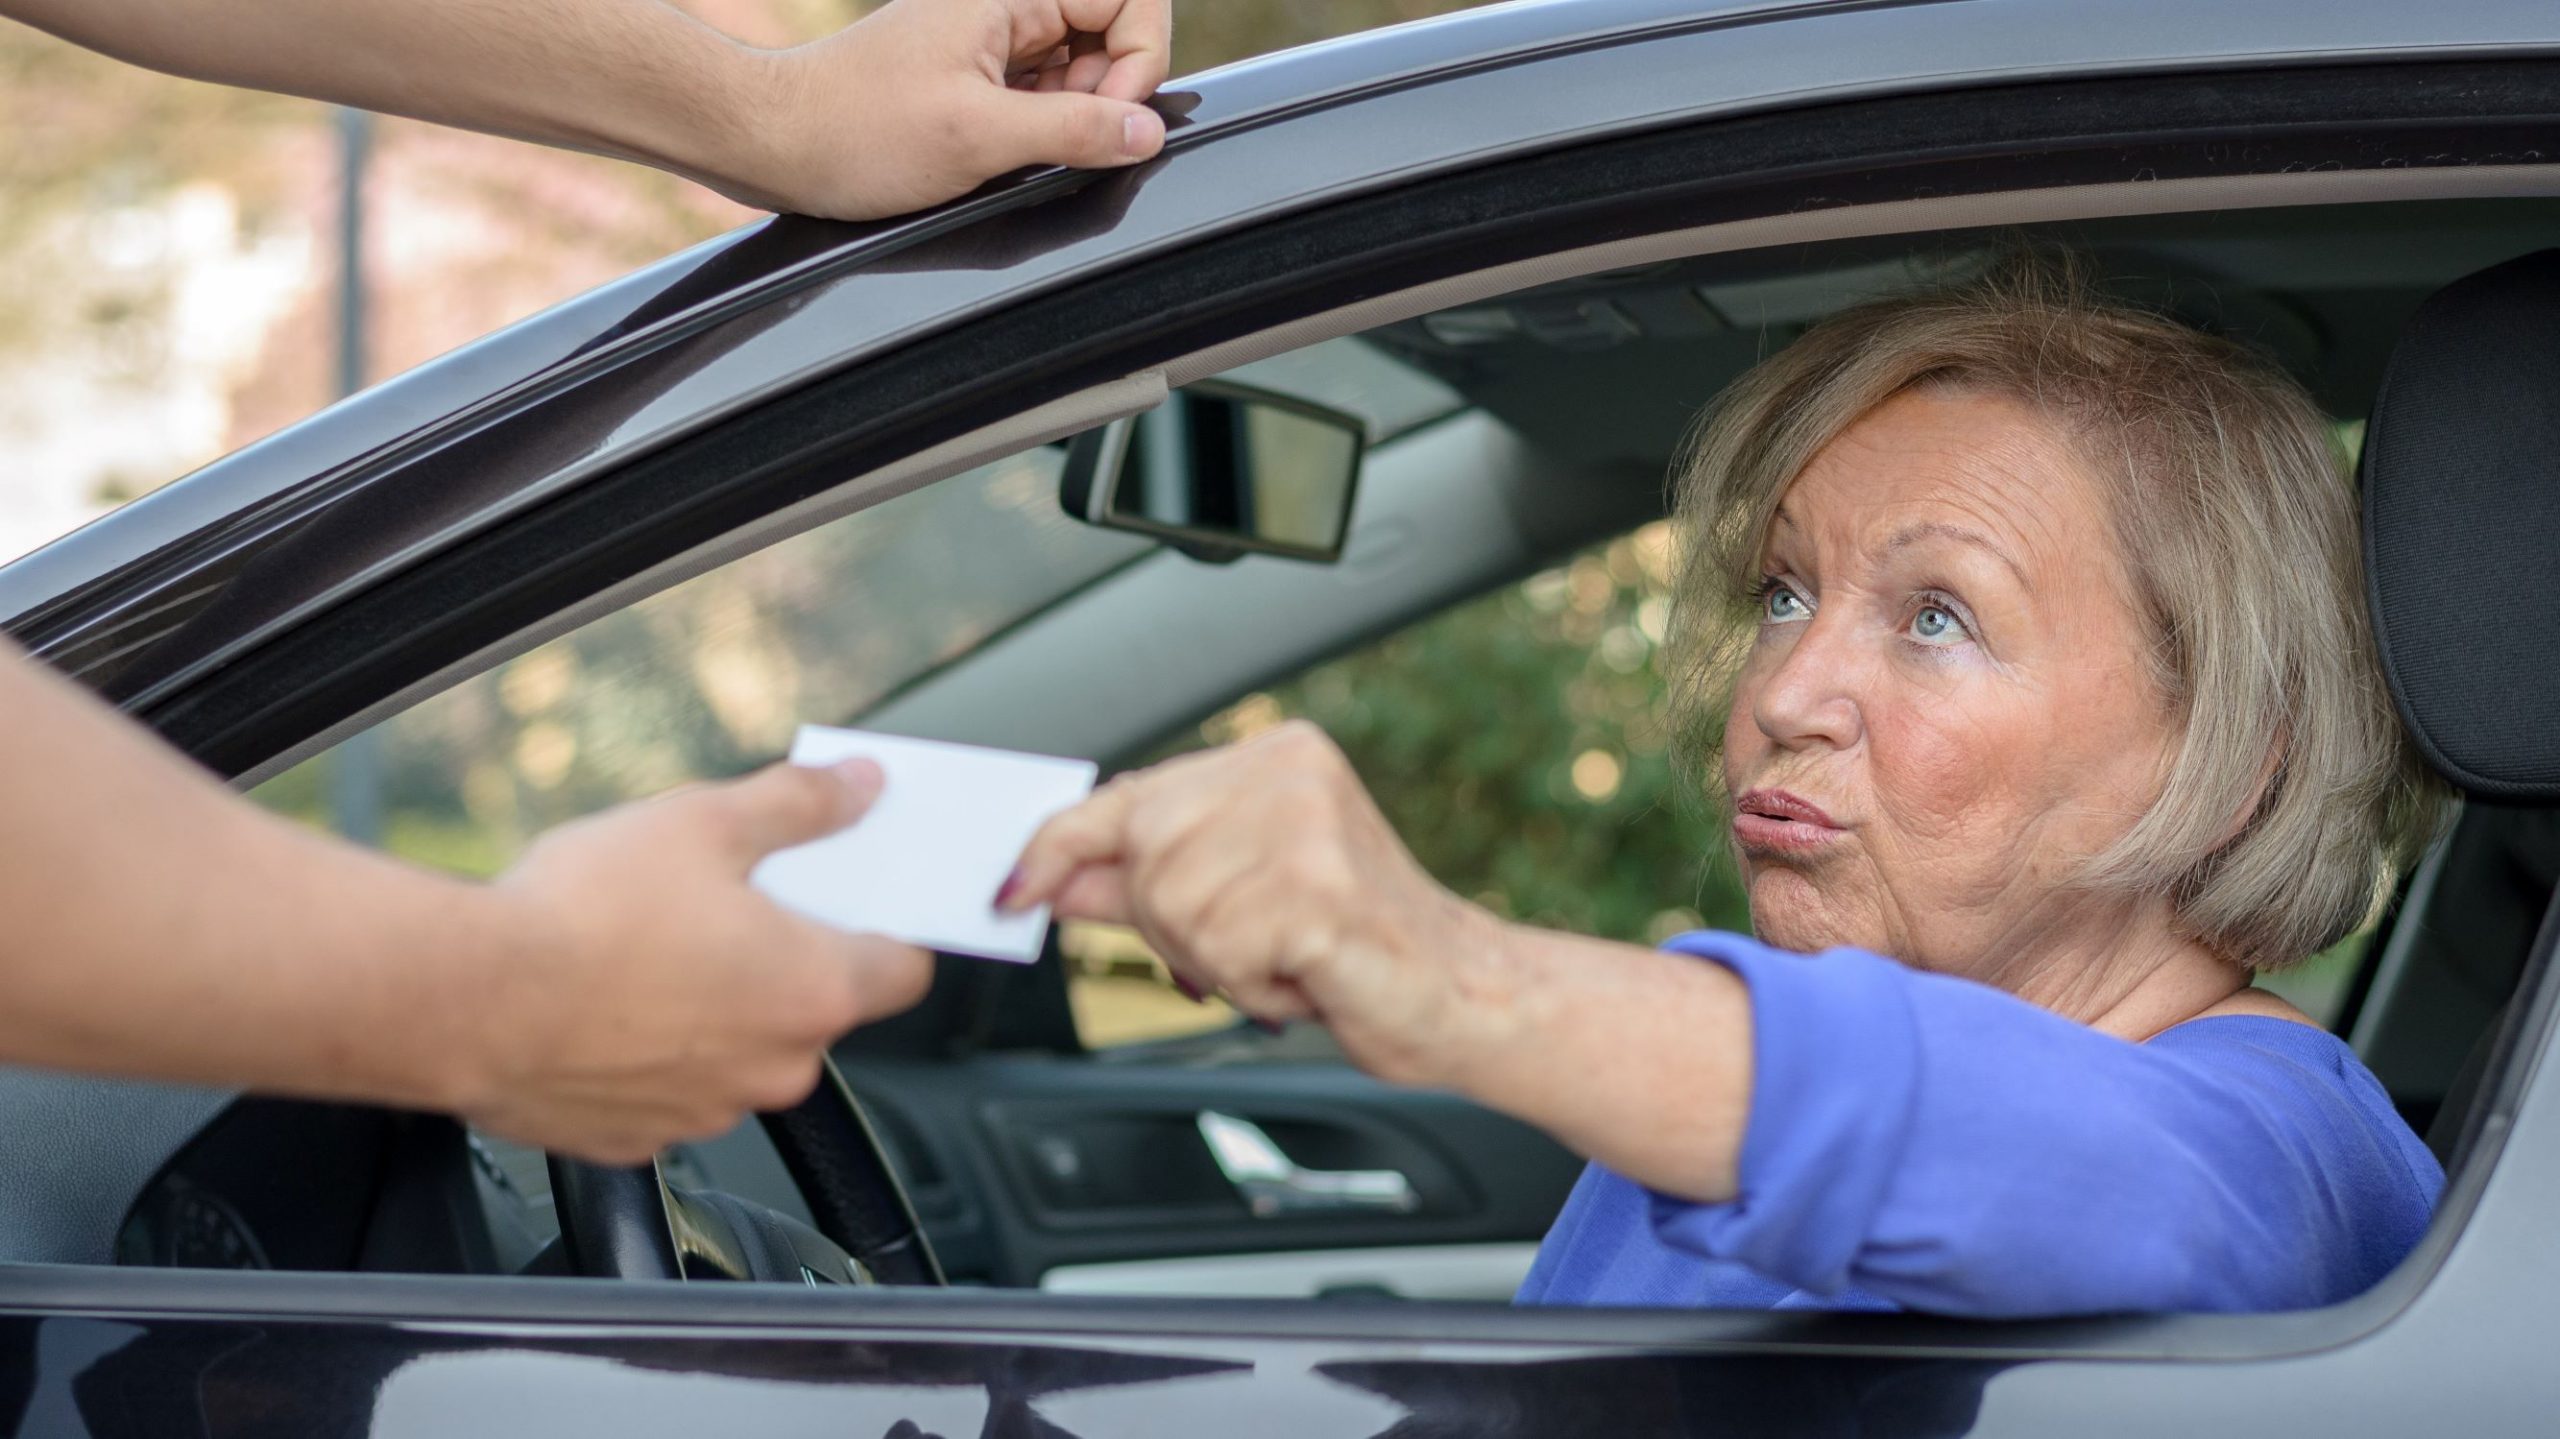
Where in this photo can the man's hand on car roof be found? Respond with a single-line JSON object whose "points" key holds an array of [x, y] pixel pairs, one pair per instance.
{"points": [[919, 102], [923, 101]]}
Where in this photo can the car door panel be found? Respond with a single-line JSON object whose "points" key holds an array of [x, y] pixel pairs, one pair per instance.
{"points": [[1023, 1166]]}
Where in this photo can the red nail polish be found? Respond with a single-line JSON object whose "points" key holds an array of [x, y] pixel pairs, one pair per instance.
{"points": [[1269, 1026], [1005, 890], [1189, 990]]}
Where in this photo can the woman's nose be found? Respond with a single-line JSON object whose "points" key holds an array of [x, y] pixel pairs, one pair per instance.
{"points": [[1810, 697]]}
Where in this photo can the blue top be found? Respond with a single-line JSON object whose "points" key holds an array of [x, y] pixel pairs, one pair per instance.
{"points": [[1924, 1142]]}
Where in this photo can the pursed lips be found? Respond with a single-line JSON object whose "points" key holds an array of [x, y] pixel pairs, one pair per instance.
{"points": [[1774, 821]]}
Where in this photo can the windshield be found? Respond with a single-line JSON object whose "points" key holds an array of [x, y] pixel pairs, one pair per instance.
{"points": [[709, 678]]}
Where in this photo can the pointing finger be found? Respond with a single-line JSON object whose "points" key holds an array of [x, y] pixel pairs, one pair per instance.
{"points": [[1094, 833]]}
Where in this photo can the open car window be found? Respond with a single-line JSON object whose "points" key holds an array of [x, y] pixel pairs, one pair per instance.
{"points": [[1516, 739], [709, 678]]}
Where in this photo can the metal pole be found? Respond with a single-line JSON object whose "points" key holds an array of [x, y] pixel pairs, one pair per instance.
{"points": [[355, 774]]}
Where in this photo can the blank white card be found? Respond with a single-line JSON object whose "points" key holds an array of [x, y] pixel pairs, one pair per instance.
{"points": [[924, 864]]}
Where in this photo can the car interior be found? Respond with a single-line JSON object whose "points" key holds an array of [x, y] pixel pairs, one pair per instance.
{"points": [[1072, 1125]]}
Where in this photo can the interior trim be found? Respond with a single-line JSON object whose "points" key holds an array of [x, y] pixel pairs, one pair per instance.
{"points": [[1979, 210], [1484, 1272]]}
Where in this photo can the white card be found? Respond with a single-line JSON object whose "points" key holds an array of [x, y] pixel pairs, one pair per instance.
{"points": [[924, 864]]}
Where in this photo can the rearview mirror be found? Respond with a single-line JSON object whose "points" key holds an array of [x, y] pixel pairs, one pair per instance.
{"points": [[1219, 470]]}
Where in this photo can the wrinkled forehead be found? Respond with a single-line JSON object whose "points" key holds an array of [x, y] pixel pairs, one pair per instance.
{"points": [[1939, 468]]}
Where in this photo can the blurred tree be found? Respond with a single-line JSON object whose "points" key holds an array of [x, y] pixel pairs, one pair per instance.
{"points": [[470, 233], [1516, 742]]}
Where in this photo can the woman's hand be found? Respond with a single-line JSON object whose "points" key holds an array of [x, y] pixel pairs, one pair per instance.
{"points": [[1264, 872]]}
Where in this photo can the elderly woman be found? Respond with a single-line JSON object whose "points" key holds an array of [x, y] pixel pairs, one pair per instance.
{"points": [[2026, 632]]}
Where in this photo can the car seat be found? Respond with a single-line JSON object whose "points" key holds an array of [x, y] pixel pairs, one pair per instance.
{"points": [[2461, 516]]}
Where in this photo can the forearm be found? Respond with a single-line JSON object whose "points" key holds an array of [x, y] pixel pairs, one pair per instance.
{"points": [[159, 926], [1265, 872], [1639, 1060], [636, 79]]}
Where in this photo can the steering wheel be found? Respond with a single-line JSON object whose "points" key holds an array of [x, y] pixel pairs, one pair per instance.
{"points": [[628, 1223]]}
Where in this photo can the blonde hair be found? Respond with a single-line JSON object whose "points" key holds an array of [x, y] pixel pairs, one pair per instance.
{"points": [[2293, 797]]}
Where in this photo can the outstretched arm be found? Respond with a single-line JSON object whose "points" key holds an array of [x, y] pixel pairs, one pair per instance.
{"points": [[919, 102], [622, 988], [1832, 1122], [1265, 871]]}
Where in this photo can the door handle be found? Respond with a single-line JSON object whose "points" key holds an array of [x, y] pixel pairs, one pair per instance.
{"points": [[1271, 1184]]}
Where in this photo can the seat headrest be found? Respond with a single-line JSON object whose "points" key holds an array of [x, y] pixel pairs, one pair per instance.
{"points": [[2462, 529]]}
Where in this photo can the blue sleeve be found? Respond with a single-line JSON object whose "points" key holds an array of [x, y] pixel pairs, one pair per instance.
{"points": [[1951, 1148], [1563, 1237]]}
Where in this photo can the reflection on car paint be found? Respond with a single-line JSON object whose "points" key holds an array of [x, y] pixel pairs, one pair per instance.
{"points": [[111, 1379]]}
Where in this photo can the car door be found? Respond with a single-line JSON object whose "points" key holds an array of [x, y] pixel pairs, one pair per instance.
{"points": [[254, 634]]}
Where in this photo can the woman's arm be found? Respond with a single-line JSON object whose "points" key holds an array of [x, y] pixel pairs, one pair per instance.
{"points": [[1833, 1122], [906, 108], [1638, 1060], [1265, 871]]}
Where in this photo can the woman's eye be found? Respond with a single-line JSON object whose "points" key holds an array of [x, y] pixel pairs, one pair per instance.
{"points": [[1936, 624], [1780, 605]]}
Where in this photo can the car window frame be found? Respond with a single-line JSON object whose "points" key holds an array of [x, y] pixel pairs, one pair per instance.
{"points": [[223, 737]]}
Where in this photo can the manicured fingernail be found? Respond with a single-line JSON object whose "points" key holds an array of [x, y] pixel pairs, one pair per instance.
{"points": [[1269, 1026], [1005, 891], [1189, 990]]}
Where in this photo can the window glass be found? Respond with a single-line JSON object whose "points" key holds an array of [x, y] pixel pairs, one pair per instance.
{"points": [[1517, 743], [710, 678]]}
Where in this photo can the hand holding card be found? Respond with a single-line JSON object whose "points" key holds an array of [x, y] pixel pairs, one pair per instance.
{"points": [[924, 864]]}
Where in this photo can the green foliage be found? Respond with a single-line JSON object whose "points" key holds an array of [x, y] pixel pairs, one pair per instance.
{"points": [[1517, 744]]}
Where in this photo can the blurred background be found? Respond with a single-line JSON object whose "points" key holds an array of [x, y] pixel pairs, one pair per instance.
{"points": [[173, 286], [169, 251]]}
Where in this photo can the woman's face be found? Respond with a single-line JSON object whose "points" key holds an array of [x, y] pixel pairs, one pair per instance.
{"points": [[1947, 706]]}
